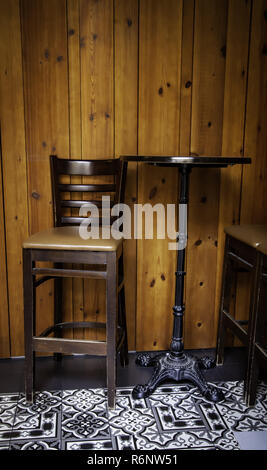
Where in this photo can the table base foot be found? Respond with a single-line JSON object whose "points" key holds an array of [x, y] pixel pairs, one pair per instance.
{"points": [[168, 366]]}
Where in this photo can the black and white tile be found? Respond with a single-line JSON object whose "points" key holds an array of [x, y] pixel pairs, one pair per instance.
{"points": [[174, 417]]}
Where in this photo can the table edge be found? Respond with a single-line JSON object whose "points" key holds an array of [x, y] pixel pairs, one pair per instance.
{"points": [[191, 160]]}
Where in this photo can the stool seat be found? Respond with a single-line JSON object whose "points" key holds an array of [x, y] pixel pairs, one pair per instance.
{"points": [[263, 249], [252, 235], [68, 238]]}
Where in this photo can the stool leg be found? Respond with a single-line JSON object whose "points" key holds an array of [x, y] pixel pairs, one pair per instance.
{"points": [[255, 326], [58, 307], [227, 279], [112, 304], [29, 323], [124, 348], [122, 314], [220, 343], [251, 384]]}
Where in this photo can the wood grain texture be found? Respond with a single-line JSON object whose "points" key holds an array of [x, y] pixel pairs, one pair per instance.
{"points": [[237, 47], [46, 115], [103, 78], [97, 115], [14, 164], [253, 196], [159, 103], [97, 97], [186, 83], [253, 202], [4, 313], [206, 139], [186, 76], [126, 122], [75, 133]]}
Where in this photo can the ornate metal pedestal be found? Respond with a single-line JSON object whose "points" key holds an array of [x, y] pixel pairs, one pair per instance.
{"points": [[176, 364], [168, 366]]}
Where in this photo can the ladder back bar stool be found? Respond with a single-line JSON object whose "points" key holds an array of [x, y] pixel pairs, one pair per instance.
{"points": [[63, 246], [258, 346], [240, 256]]}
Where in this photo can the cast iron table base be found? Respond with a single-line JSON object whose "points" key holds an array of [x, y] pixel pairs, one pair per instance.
{"points": [[167, 366]]}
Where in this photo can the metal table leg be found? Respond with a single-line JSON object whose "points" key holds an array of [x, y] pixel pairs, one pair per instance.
{"points": [[176, 364]]}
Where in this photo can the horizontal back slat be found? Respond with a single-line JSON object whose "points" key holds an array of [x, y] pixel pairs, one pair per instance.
{"points": [[72, 220], [88, 167], [70, 203], [95, 188]]}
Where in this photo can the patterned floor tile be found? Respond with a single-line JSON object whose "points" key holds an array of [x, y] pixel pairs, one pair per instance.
{"points": [[83, 400], [85, 424], [84, 415], [129, 421], [8, 405], [41, 419], [35, 445], [174, 417], [103, 444]]}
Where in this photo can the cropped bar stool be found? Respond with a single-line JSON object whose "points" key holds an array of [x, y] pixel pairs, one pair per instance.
{"points": [[240, 255], [258, 345], [63, 245]]}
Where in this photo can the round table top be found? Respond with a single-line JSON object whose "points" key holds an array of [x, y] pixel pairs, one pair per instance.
{"points": [[192, 160]]}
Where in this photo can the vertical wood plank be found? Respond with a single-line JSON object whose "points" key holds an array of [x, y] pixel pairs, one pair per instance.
{"points": [[46, 114], [186, 75], [253, 197], [96, 42], [97, 114], [206, 139], [14, 164], [186, 81], [4, 313], [237, 46], [253, 204], [126, 95], [159, 112], [253, 201], [74, 76]]}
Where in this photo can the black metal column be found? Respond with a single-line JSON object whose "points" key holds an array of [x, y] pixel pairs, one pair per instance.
{"points": [[177, 364], [177, 345]]}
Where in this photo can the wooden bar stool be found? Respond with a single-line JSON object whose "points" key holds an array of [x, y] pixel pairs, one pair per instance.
{"points": [[258, 345], [240, 255], [63, 245]]}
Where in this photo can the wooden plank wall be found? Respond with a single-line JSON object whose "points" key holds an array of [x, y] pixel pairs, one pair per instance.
{"points": [[87, 78], [14, 167]]}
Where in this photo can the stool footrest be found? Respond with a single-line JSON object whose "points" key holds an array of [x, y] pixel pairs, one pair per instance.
{"points": [[73, 346], [54, 272]]}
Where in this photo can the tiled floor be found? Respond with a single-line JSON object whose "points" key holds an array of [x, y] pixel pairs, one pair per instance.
{"points": [[174, 417], [70, 410]]}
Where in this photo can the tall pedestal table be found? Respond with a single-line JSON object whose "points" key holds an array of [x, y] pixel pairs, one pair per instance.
{"points": [[177, 364]]}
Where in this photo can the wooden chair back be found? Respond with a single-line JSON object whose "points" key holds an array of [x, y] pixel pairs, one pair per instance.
{"points": [[79, 182]]}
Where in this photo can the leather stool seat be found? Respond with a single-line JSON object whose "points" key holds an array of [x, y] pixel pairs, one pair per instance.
{"points": [[68, 238], [252, 235]]}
